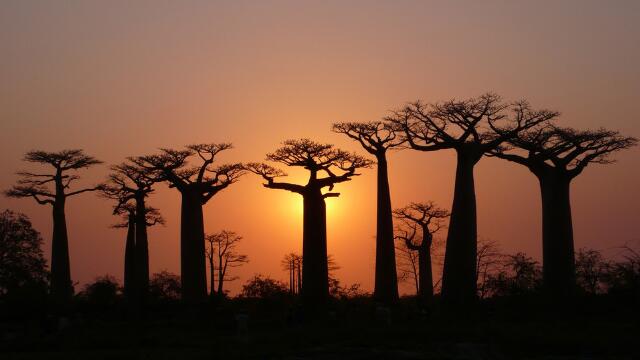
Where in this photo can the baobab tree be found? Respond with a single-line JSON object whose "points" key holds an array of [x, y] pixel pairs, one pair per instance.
{"points": [[222, 255], [136, 258], [556, 155], [472, 128], [130, 185], [197, 185], [292, 263], [427, 218], [376, 138], [327, 167], [54, 188]]}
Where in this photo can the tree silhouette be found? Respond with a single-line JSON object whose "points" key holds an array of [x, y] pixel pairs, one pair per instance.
{"points": [[21, 260], [488, 264], [130, 185], [376, 138], [221, 248], [197, 185], [472, 128], [426, 217], [53, 189], [136, 258], [556, 155], [292, 263], [327, 167]]}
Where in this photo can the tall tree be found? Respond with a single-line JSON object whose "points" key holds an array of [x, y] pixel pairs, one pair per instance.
{"points": [[136, 281], [54, 188], [427, 218], [197, 185], [472, 128], [556, 155], [327, 167], [130, 185], [222, 255], [376, 138]]}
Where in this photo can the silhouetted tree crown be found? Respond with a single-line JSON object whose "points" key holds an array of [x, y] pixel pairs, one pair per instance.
{"points": [[327, 166], [375, 136], [565, 149]]}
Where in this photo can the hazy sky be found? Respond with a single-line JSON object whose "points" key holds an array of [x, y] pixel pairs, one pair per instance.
{"points": [[121, 78]]}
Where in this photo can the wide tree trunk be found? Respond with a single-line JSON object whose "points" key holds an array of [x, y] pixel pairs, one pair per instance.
{"points": [[192, 258], [459, 274], [424, 267], [142, 250], [129, 260], [386, 279], [61, 287], [558, 263], [315, 275]]}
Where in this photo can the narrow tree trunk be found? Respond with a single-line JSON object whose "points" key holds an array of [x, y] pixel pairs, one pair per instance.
{"points": [[558, 263], [315, 276], [386, 279], [212, 277], [458, 282], [61, 287], [192, 261], [142, 251], [424, 264], [221, 273], [129, 260], [299, 281]]}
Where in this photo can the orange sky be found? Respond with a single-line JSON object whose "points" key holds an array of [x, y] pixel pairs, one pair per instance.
{"points": [[118, 79]]}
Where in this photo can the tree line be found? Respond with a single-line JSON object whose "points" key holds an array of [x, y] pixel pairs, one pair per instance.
{"points": [[486, 126]]}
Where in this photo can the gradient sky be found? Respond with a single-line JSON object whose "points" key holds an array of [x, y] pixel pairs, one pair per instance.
{"points": [[121, 78]]}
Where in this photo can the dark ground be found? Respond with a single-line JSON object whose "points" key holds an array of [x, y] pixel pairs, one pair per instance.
{"points": [[594, 328]]}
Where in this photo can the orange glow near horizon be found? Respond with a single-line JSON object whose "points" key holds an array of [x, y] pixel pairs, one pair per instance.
{"points": [[121, 80]]}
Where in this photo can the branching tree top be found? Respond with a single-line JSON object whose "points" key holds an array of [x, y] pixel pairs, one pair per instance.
{"points": [[37, 185], [422, 214], [152, 215], [173, 166], [564, 149], [125, 183], [327, 166], [375, 137], [484, 122]]}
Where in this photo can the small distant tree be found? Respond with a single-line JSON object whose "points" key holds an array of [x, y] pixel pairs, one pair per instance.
{"points": [[426, 218], [520, 275], [103, 291], [488, 264], [21, 259], [590, 270], [556, 156], [197, 185], [327, 167], [264, 287], [222, 255], [165, 287], [292, 263], [623, 277], [54, 188], [376, 138]]}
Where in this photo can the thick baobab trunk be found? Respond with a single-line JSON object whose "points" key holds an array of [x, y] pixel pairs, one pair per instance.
{"points": [[61, 288], [386, 279], [142, 250], [315, 275], [424, 267], [459, 278], [558, 263], [192, 258], [129, 260]]}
